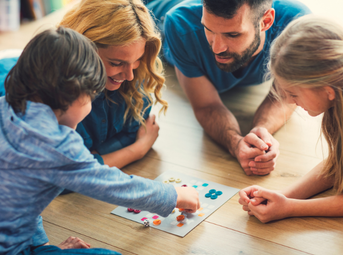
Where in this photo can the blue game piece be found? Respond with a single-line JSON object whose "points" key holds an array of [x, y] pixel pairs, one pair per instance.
{"points": [[218, 193], [208, 195], [214, 196], [195, 186], [212, 191], [205, 185]]}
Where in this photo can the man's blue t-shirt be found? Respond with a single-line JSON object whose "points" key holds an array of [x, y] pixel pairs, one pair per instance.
{"points": [[186, 47]]}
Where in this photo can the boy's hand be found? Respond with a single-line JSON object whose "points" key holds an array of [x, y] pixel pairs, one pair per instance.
{"points": [[188, 199], [74, 243]]}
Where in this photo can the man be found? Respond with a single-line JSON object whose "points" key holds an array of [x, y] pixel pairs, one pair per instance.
{"points": [[216, 45]]}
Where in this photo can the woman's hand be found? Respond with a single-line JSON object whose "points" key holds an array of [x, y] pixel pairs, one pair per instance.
{"points": [[147, 135]]}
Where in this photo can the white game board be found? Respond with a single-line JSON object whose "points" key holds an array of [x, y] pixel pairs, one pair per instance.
{"points": [[170, 224]]}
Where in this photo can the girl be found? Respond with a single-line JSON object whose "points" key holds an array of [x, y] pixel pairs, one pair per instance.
{"points": [[307, 67], [119, 130]]}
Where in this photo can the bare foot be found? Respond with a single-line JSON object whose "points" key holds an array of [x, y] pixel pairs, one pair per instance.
{"points": [[73, 243]]}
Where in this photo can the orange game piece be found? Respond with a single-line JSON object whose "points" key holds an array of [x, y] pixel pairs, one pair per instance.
{"points": [[181, 210], [157, 222], [180, 217], [179, 225], [201, 214]]}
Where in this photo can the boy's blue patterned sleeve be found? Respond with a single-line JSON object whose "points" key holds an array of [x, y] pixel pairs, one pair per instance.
{"points": [[40, 236], [113, 186]]}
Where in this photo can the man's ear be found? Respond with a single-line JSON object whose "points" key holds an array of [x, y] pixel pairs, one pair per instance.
{"points": [[267, 19]]}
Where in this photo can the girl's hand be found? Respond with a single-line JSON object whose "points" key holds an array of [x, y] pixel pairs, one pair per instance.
{"points": [[188, 199], [276, 207], [247, 196], [147, 135]]}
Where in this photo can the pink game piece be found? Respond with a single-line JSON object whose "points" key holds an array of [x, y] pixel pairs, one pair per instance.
{"points": [[155, 217], [136, 211], [184, 185], [130, 209], [144, 218]]}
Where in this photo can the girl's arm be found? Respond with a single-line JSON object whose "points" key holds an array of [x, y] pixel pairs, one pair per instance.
{"points": [[144, 141], [279, 207], [290, 203], [309, 185]]}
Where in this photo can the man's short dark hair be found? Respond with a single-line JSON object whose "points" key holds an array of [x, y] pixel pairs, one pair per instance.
{"points": [[56, 67], [228, 8]]}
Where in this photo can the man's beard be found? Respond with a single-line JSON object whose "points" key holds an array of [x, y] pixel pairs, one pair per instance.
{"points": [[239, 60]]}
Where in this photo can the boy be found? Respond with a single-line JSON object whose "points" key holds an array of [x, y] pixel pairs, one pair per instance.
{"points": [[48, 92]]}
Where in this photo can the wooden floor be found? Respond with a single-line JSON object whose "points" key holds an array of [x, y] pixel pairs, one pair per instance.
{"points": [[182, 146]]}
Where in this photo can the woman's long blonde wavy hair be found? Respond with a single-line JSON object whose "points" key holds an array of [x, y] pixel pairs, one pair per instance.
{"points": [[120, 23], [309, 54]]}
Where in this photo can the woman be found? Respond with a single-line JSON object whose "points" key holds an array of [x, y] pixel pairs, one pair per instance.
{"points": [[119, 130]]}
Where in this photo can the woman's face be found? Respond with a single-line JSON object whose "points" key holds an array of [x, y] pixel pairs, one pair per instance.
{"points": [[315, 101], [120, 61]]}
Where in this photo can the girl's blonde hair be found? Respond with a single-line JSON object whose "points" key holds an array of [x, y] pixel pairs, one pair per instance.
{"points": [[120, 23], [309, 54]]}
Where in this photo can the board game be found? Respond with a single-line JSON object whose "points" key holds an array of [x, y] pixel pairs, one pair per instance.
{"points": [[211, 195]]}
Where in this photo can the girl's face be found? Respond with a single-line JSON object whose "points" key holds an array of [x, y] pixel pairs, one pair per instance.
{"points": [[120, 61], [315, 101]]}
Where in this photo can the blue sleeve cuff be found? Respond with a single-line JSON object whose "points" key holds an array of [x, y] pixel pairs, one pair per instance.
{"points": [[40, 237], [99, 159]]}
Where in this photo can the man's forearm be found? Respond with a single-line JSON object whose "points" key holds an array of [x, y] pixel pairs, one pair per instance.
{"points": [[272, 114], [221, 125]]}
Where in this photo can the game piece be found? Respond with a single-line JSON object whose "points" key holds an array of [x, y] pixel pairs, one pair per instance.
{"points": [[214, 196], [136, 211], [157, 222], [146, 223], [212, 191], [188, 221], [184, 185], [180, 217], [171, 179], [130, 209], [178, 180], [218, 193], [166, 182]]}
